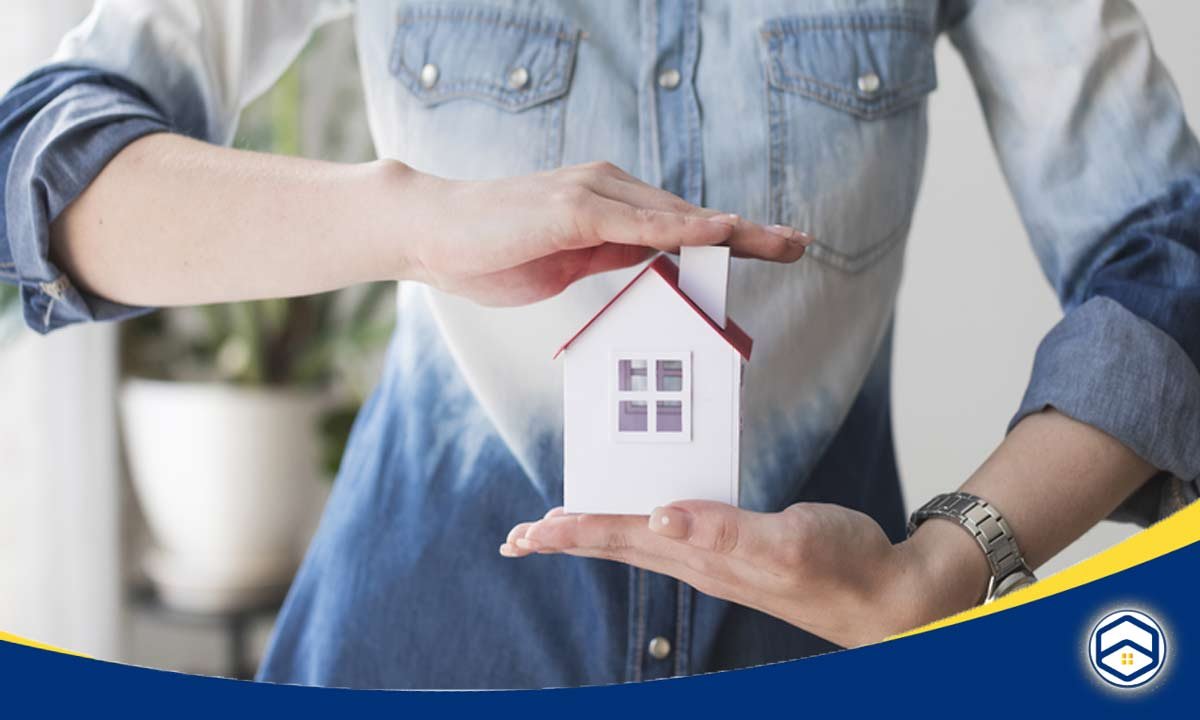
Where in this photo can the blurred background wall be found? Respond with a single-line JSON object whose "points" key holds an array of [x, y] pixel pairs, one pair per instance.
{"points": [[60, 548], [965, 340], [70, 533]]}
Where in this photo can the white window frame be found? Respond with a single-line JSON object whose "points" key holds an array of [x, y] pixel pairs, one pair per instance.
{"points": [[651, 395]]}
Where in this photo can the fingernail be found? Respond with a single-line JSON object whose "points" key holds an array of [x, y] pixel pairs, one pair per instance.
{"points": [[671, 522], [527, 544], [725, 219], [791, 234], [507, 550]]}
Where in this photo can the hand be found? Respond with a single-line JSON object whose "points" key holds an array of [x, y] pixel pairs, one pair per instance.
{"points": [[518, 240], [824, 568]]}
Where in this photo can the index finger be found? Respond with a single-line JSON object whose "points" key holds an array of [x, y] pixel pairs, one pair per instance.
{"points": [[778, 243]]}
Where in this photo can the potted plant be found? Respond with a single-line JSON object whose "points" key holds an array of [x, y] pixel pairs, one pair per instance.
{"points": [[10, 311], [233, 413]]}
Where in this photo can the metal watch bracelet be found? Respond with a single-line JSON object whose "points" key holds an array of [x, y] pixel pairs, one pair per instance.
{"points": [[990, 530]]}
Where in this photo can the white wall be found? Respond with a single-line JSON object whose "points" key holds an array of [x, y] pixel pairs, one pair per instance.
{"points": [[963, 356], [60, 546]]}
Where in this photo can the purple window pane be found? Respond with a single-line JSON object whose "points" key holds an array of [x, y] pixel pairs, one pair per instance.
{"points": [[670, 416], [632, 416], [670, 375], [631, 375]]}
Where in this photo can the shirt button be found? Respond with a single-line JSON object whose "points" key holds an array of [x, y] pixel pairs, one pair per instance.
{"points": [[518, 78], [669, 80], [429, 75], [868, 83], [659, 648]]}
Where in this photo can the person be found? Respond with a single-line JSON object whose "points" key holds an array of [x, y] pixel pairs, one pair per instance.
{"points": [[534, 152]]}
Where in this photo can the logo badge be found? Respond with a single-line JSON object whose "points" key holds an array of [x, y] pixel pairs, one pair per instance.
{"points": [[1127, 648]]}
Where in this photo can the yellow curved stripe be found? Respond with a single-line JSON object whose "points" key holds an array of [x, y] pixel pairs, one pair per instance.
{"points": [[18, 640], [1179, 530]]}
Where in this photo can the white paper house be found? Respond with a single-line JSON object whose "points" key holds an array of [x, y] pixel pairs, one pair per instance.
{"points": [[652, 392]]}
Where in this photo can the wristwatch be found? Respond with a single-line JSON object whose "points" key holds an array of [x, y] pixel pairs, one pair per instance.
{"points": [[990, 530]]}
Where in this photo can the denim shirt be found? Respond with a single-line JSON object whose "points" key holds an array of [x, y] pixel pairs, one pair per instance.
{"points": [[810, 113]]}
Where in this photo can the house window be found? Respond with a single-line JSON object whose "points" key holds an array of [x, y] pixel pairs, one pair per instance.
{"points": [[653, 396]]}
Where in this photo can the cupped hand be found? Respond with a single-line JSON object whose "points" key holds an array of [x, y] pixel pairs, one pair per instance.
{"points": [[518, 240], [824, 568]]}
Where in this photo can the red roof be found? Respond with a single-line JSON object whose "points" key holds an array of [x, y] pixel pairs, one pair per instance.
{"points": [[669, 272]]}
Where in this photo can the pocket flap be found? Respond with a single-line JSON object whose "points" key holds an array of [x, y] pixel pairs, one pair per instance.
{"points": [[867, 64], [511, 60]]}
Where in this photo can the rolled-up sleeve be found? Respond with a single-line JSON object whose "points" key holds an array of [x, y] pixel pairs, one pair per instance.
{"points": [[1093, 141], [130, 69], [58, 129]]}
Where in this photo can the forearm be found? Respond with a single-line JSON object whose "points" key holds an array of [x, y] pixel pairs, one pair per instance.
{"points": [[173, 221], [1053, 478]]}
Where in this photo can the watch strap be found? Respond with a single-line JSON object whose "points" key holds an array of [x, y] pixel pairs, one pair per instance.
{"points": [[990, 530]]}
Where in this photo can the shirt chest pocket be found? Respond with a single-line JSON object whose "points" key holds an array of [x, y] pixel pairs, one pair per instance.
{"points": [[483, 88], [847, 128]]}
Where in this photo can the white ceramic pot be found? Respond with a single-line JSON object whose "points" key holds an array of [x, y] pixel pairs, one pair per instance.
{"points": [[228, 479]]}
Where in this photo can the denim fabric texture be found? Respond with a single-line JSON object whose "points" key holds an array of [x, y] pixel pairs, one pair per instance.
{"points": [[810, 113]]}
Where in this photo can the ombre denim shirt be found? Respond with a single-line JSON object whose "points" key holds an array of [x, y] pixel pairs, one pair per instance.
{"points": [[810, 113]]}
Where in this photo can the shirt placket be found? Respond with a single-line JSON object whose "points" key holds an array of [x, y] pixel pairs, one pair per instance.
{"points": [[669, 138], [670, 157]]}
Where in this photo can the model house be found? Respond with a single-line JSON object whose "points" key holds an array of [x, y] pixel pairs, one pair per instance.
{"points": [[652, 391]]}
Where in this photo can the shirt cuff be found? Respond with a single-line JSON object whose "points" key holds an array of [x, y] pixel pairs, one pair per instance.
{"points": [[1105, 366], [57, 155]]}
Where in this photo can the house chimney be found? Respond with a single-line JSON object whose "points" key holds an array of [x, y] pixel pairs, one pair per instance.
{"points": [[704, 277]]}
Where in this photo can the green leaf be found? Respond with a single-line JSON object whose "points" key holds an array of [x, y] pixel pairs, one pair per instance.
{"points": [[369, 303], [246, 326], [10, 311], [334, 432]]}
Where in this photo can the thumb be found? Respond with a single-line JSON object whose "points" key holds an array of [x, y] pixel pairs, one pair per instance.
{"points": [[706, 524]]}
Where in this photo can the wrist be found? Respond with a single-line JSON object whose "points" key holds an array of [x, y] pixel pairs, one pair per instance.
{"points": [[396, 218], [945, 572]]}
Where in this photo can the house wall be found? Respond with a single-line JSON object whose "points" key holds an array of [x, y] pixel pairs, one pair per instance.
{"points": [[603, 474]]}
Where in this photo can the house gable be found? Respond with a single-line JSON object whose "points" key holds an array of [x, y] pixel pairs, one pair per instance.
{"points": [[648, 317], [662, 269]]}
